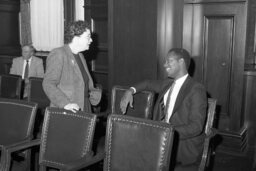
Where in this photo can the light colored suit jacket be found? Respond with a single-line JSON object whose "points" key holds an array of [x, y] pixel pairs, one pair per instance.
{"points": [[36, 68], [63, 81], [188, 117]]}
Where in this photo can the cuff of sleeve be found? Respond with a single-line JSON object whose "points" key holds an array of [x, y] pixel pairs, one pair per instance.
{"points": [[133, 90]]}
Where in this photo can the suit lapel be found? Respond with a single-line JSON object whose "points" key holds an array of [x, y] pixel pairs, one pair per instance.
{"points": [[20, 66], [182, 93], [161, 102]]}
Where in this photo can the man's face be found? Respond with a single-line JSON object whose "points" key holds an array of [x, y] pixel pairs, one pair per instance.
{"points": [[84, 40], [172, 65], [26, 52]]}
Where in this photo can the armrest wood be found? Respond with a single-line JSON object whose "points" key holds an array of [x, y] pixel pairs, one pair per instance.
{"points": [[84, 162], [102, 115], [212, 133], [22, 145]]}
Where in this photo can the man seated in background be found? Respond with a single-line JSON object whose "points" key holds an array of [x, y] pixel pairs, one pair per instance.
{"points": [[27, 66], [181, 102]]}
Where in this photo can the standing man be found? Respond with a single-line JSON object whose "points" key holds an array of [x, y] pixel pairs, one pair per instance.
{"points": [[27, 66], [181, 102], [67, 81]]}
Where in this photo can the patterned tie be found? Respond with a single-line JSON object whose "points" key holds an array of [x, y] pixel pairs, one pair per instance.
{"points": [[168, 102], [26, 69]]}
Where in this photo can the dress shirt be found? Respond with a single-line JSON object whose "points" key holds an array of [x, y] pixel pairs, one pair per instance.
{"points": [[24, 66], [175, 91]]}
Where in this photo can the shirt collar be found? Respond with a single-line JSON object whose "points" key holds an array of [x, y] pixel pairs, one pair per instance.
{"points": [[28, 60], [181, 79]]}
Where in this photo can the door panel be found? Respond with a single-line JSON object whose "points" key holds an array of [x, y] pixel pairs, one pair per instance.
{"points": [[216, 40], [217, 62]]}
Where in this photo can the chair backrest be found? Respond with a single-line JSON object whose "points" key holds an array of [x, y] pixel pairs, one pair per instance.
{"points": [[66, 136], [10, 86], [209, 133], [137, 144], [143, 103], [17, 119], [36, 92]]}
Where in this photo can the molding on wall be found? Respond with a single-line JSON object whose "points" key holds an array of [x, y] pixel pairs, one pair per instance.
{"points": [[234, 143], [212, 1]]}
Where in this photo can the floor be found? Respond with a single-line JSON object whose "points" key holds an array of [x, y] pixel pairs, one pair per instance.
{"points": [[228, 162], [222, 162]]}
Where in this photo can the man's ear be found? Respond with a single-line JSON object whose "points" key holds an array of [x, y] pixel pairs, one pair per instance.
{"points": [[182, 60]]}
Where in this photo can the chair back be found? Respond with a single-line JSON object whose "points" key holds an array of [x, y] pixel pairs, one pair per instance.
{"points": [[10, 86], [17, 119], [66, 136], [137, 144], [209, 133], [142, 107], [36, 92]]}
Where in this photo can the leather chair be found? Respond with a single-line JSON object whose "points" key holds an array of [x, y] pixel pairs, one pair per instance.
{"points": [[210, 132], [10, 86], [36, 92], [16, 127], [137, 144], [66, 141], [143, 103]]}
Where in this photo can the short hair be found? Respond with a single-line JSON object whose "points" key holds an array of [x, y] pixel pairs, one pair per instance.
{"points": [[75, 28], [181, 53]]}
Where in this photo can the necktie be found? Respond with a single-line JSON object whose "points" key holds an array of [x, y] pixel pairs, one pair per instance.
{"points": [[26, 70], [168, 102]]}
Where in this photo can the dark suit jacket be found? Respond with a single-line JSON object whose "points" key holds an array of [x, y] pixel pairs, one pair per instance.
{"points": [[63, 81], [188, 117]]}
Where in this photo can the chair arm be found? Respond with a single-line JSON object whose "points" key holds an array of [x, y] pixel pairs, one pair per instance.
{"points": [[212, 133], [84, 162], [7, 150], [102, 115], [22, 145]]}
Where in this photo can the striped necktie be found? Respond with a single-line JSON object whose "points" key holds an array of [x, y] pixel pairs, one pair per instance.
{"points": [[167, 105], [26, 70]]}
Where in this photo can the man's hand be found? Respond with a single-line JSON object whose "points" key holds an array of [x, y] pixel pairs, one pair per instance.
{"points": [[72, 107], [126, 99]]}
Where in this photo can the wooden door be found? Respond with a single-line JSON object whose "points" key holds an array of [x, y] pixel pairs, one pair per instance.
{"points": [[96, 13], [214, 33]]}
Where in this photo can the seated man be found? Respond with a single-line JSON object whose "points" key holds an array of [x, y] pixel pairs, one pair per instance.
{"points": [[181, 102], [27, 66]]}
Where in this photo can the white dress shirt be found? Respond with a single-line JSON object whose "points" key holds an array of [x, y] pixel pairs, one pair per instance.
{"points": [[24, 66], [175, 91]]}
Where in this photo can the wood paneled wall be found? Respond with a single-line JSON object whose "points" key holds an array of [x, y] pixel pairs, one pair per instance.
{"points": [[251, 34], [140, 35], [249, 107], [9, 30], [9, 33]]}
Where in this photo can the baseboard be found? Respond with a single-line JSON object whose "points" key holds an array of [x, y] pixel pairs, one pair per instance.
{"points": [[234, 143]]}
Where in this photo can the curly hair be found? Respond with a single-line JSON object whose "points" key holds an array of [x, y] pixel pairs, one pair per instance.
{"points": [[75, 28]]}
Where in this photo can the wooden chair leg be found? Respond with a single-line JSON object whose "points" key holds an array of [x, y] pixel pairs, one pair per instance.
{"points": [[42, 168]]}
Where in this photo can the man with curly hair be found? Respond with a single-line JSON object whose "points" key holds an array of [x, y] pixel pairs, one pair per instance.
{"points": [[67, 81]]}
